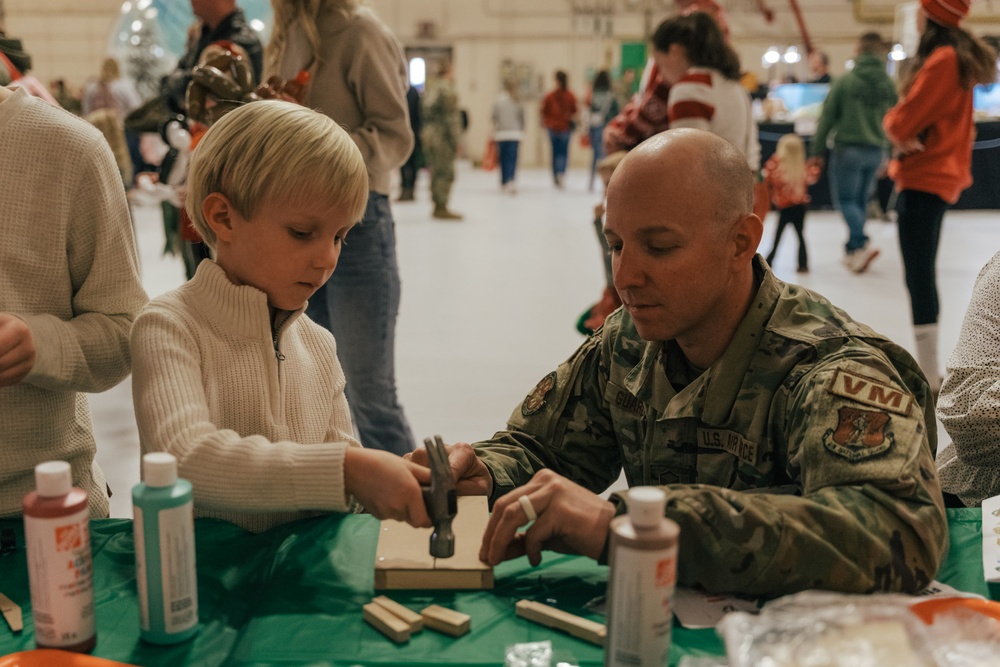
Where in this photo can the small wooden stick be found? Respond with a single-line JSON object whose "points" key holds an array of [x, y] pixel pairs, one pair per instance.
{"points": [[387, 623], [412, 618], [581, 628], [12, 613], [445, 620]]}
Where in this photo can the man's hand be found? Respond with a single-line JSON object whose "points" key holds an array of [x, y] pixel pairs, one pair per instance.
{"points": [[570, 520], [472, 477], [17, 350], [387, 485]]}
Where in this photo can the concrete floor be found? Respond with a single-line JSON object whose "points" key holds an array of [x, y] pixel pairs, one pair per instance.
{"points": [[489, 304]]}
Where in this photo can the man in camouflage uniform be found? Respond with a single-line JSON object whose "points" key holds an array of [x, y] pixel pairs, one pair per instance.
{"points": [[796, 446], [439, 138]]}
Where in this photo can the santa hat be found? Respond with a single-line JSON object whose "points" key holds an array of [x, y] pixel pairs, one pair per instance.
{"points": [[946, 12]]}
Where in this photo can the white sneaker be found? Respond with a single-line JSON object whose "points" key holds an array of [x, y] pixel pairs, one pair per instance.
{"points": [[862, 258]]}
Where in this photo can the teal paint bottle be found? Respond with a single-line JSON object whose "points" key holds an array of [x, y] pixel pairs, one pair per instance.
{"points": [[163, 510]]}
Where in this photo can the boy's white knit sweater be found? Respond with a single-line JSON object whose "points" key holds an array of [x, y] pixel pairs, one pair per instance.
{"points": [[262, 440], [68, 268]]}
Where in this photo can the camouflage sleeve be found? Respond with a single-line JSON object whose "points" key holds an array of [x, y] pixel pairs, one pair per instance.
{"points": [[563, 424], [868, 515]]}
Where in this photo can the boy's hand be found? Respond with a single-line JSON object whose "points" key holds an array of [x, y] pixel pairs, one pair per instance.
{"points": [[472, 477], [387, 485], [17, 350]]}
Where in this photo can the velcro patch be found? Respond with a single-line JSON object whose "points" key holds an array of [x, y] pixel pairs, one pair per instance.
{"points": [[859, 435], [536, 399], [867, 391], [728, 441], [627, 401]]}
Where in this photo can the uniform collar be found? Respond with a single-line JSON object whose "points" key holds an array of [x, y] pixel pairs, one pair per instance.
{"points": [[711, 395]]}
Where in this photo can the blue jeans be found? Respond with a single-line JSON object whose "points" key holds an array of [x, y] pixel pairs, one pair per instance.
{"points": [[507, 155], [852, 174], [359, 305], [560, 151], [596, 145]]}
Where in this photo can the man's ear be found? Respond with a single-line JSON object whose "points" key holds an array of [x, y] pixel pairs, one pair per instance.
{"points": [[746, 235], [219, 212]]}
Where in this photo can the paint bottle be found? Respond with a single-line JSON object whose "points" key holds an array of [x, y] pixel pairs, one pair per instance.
{"points": [[163, 511], [643, 561], [57, 537]]}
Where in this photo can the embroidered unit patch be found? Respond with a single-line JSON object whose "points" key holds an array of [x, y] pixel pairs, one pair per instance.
{"points": [[536, 399], [867, 391], [859, 435]]}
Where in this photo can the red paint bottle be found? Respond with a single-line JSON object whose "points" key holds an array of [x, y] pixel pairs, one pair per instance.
{"points": [[57, 536]]}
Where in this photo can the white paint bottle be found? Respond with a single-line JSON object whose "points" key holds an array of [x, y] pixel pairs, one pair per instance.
{"points": [[641, 582], [57, 536]]}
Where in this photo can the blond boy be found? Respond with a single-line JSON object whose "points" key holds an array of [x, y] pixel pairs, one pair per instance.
{"points": [[229, 375]]}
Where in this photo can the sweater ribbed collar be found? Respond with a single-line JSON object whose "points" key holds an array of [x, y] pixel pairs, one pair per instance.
{"points": [[240, 309], [14, 104]]}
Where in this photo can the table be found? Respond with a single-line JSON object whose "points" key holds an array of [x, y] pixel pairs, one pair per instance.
{"points": [[293, 596], [983, 194]]}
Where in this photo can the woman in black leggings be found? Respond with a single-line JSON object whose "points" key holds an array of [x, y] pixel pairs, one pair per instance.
{"points": [[932, 131]]}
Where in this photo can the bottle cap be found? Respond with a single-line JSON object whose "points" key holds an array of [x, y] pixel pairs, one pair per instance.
{"points": [[159, 469], [53, 479], [645, 506]]}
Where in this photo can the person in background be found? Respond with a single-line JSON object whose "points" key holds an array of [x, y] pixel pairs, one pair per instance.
{"points": [[508, 130], [559, 118], [358, 78], [105, 104], [602, 107], [969, 404], [703, 72], [64, 97], [819, 67], [738, 394], [853, 113], [218, 21], [69, 292], [440, 138], [228, 376], [624, 89], [408, 172], [932, 130], [788, 178]]}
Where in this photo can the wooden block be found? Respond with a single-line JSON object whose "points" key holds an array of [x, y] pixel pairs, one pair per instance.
{"points": [[403, 560], [581, 628], [12, 613], [387, 623], [412, 618], [445, 620]]}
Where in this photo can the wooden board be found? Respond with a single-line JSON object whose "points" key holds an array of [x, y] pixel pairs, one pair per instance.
{"points": [[403, 560], [386, 622], [412, 618], [445, 620], [579, 627]]}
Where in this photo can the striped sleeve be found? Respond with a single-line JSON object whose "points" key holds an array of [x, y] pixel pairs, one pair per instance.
{"points": [[692, 101]]}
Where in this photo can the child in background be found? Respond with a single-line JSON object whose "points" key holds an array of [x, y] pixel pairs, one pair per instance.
{"points": [[229, 376], [788, 178]]}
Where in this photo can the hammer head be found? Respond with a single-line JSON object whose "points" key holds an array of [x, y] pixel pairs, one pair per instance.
{"points": [[439, 497]]}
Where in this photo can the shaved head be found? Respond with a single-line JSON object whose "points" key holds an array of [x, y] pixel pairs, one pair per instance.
{"points": [[695, 167]]}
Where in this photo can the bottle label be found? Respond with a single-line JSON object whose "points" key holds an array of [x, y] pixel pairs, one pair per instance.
{"points": [[140, 566], [177, 568], [61, 578], [641, 614]]}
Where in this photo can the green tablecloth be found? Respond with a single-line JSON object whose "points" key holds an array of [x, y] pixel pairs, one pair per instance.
{"points": [[293, 596]]}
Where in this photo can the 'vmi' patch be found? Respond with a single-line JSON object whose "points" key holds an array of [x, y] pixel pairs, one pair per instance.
{"points": [[870, 392], [860, 434], [536, 399]]}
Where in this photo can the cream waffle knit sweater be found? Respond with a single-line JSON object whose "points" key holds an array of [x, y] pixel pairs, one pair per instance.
{"points": [[262, 440], [68, 268]]}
